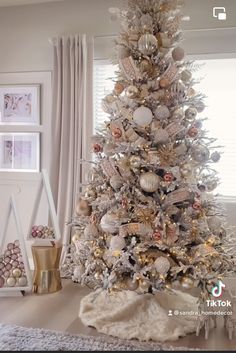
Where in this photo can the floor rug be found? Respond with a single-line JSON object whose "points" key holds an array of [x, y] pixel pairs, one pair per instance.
{"points": [[15, 338]]}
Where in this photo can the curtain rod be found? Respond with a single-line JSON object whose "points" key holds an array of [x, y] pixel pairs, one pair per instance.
{"points": [[185, 30]]}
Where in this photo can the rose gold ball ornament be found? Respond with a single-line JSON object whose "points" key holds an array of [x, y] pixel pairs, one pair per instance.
{"points": [[119, 88], [16, 272], [191, 113], [168, 177], [11, 282], [2, 282], [193, 132], [197, 206], [200, 153], [143, 116], [131, 284], [147, 44], [162, 265], [157, 235], [83, 208], [149, 182], [186, 282], [132, 92], [97, 148], [22, 281], [10, 246], [164, 82], [178, 54], [116, 133]]}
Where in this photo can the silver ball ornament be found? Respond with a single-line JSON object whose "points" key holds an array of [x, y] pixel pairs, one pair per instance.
{"points": [[178, 54], [149, 182], [191, 113], [162, 112], [200, 153], [143, 116]]}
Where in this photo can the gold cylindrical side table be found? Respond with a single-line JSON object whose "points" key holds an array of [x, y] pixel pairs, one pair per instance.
{"points": [[46, 269]]}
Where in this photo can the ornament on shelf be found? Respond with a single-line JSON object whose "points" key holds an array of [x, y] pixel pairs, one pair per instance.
{"points": [[143, 116], [162, 112], [215, 157], [147, 44], [191, 113], [83, 208], [129, 68], [178, 54], [42, 232], [162, 265], [132, 92], [200, 153], [149, 182]]}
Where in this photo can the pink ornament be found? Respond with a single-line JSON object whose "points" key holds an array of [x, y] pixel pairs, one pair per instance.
{"points": [[197, 206], [7, 253], [14, 256], [168, 177], [15, 263], [6, 274], [117, 133], [97, 148], [2, 265], [157, 235], [16, 250], [39, 235], [34, 234], [193, 132], [21, 265], [17, 243], [7, 259], [8, 267]]}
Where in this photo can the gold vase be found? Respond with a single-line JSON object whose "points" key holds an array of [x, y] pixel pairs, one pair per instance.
{"points": [[46, 269]]}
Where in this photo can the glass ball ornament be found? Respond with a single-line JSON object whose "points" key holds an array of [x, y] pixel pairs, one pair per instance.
{"points": [[149, 182], [191, 113], [178, 54], [147, 44], [162, 265], [132, 92], [200, 153], [143, 116]]}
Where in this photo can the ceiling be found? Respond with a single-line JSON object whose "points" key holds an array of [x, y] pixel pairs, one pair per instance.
{"points": [[4, 3]]}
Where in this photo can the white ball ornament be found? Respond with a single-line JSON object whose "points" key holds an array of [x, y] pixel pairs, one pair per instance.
{"points": [[147, 44], [178, 54], [143, 116], [149, 182], [162, 265], [110, 223], [91, 231], [162, 112], [116, 182], [117, 243]]}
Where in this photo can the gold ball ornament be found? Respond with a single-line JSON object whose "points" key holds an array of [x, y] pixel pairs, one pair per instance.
{"points": [[132, 92], [16, 272], [119, 88], [135, 162], [131, 284], [83, 208], [149, 182], [187, 282], [11, 282], [164, 82], [147, 44], [178, 54], [144, 286], [75, 237], [162, 265], [143, 116]]}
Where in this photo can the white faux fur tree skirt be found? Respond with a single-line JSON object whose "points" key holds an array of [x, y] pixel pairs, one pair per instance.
{"points": [[129, 315]]}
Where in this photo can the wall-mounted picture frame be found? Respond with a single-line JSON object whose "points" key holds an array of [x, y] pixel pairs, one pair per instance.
{"points": [[20, 152], [20, 104]]}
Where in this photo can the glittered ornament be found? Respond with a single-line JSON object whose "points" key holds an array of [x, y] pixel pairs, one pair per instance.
{"points": [[178, 54], [162, 112], [116, 182], [200, 153], [149, 182], [132, 92], [117, 243], [147, 44], [143, 116], [186, 282], [91, 231], [215, 157], [168, 177], [193, 132], [116, 133], [119, 88], [186, 76], [191, 113], [162, 265], [83, 208]]}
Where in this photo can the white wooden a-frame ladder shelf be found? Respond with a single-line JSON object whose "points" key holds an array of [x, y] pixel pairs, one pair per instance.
{"points": [[40, 232], [15, 275]]}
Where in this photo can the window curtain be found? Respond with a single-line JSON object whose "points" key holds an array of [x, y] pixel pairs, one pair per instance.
{"points": [[72, 119]]}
